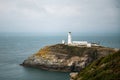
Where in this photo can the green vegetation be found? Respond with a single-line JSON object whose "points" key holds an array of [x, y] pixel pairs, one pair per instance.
{"points": [[43, 51], [107, 68], [65, 49]]}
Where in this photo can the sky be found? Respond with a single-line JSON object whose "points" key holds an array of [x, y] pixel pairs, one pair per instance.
{"points": [[60, 16]]}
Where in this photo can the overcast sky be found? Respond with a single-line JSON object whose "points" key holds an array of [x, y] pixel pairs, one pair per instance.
{"points": [[57, 16]]}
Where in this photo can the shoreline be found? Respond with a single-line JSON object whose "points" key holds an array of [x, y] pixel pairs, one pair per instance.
{"points": [[64, 58]]}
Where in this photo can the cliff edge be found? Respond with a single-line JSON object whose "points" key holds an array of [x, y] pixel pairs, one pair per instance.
{"points": [[105, 68], [66, 58]]}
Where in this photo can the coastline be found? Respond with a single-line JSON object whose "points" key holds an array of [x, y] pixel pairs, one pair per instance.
{"points": [[60, 57]]}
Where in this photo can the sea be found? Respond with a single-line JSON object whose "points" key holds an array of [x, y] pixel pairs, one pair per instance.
{"points": [[15, 49]]}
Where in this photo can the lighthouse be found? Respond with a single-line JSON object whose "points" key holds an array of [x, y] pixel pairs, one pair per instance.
{"points": [[69, 38], [77, 43]]}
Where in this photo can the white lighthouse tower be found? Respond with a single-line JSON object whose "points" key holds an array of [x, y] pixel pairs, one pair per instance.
{"points": [[69, 38]]}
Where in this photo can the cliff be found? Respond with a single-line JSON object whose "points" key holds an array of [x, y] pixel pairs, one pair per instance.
{"points": [[105, 68], [66, 58]]}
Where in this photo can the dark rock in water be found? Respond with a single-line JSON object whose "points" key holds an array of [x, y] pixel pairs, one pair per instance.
{"points": [[66, 58]]}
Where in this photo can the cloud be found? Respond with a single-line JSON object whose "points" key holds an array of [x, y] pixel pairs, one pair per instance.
{"points": [[60, 15], [31, 9], [34, 8], [62, 11]]}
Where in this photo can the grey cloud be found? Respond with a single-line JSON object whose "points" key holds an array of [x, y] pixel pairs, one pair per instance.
{"points": [[59, 15]]}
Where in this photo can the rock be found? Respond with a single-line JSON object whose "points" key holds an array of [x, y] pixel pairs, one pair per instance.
{"points": [[73, 75], [105, 68], [66, 58]]}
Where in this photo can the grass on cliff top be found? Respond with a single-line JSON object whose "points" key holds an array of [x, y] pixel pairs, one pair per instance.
{"points": [[107, 68], [65, 49], [43, 51]]}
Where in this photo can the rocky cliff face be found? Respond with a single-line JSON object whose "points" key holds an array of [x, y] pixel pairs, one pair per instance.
{"points": [[65, 58], [105, 68]]}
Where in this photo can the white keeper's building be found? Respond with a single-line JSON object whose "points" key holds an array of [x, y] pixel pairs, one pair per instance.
{"points": [[76, 43]]}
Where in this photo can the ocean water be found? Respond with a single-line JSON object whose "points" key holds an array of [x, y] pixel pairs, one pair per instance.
{"points": [[15, 49]]}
